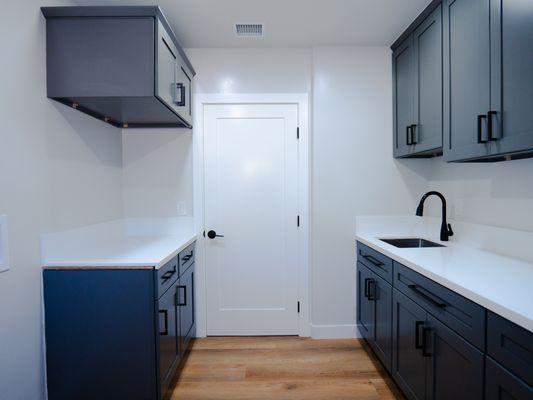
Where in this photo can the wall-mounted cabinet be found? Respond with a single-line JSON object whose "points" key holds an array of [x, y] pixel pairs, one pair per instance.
{"points": [[417, 73], [483, 99], [122, 65]]}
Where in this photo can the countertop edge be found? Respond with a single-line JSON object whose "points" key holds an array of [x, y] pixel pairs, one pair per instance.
{"points": [[92, 265], [490, 305]]}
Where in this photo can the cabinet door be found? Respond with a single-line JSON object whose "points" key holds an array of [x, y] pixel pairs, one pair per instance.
{"points": [[455, 368], [500, 384], [382, 343], [167, 333], [403, 93], [467, 78], [365, 306], [427, 50], [185, 303], [165, 67], [511, 40], [408, 362]]}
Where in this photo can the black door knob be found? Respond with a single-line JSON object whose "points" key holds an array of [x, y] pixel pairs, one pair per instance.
{"points": [[212, 234]]}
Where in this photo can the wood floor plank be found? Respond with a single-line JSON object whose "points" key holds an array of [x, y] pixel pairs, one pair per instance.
{"points": [[279, 368]]}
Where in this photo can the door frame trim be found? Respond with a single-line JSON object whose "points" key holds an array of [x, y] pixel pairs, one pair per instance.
{"points": [[301, 100]]}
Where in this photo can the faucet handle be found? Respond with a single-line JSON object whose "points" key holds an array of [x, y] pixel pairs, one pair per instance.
{"points": [[450, 231]]}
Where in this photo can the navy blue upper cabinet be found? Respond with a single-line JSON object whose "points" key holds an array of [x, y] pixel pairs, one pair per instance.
{"points": [[511, 47], [488, 75], [122, 65], [417, 76]]}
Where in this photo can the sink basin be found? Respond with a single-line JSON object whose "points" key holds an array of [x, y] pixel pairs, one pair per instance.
{"points": [[411, 243]]}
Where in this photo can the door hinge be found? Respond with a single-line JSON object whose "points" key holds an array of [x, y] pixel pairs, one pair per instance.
{"points": [[298, 133], [298, 220], [298, 307]]}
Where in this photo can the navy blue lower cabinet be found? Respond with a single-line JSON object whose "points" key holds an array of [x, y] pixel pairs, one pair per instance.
{"points": [[382, 341], [455, 367], [500, 384], [409, 331], [100, 336], [365, 306]]}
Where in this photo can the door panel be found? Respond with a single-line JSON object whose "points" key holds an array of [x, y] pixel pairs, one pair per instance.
{"points": [[185, 303], [365, 306], [512, 70], [427, 45], [455, 369], [383, 322], [402, 65], [500, 384], [408, 363], [166, 66], [251, 198], [467, 77], [167, 332]]}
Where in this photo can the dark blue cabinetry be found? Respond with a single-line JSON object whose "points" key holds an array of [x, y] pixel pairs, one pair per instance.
{"points": [[443, 346], [116, 333]]}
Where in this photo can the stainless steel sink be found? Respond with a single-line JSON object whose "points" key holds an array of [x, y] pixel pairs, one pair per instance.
{"points": [[411, 243]]}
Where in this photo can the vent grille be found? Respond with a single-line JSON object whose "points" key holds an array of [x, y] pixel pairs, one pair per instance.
{"points": [[249, 30]]}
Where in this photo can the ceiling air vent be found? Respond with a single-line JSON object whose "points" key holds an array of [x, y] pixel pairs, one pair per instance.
{"points": [[249, 30]]}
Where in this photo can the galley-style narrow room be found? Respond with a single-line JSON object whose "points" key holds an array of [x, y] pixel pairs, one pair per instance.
{"points": [[266, 200]]}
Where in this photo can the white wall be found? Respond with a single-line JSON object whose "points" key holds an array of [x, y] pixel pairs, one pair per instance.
{"points": [[158, 162], [498, 194], [58, 169], [353, 172]]}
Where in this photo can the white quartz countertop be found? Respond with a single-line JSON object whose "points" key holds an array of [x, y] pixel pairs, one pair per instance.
{"points": [[125, 243], [498, 282]]}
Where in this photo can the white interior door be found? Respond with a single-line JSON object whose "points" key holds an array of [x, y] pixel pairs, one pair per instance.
{"points": [[251, 161]]}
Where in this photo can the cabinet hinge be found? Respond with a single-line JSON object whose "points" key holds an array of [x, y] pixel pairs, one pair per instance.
{"points": [[298, 307], [298, 220], [298, 133]]}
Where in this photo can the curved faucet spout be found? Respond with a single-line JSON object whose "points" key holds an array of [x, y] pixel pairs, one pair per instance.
{"points": [[445, 228]]}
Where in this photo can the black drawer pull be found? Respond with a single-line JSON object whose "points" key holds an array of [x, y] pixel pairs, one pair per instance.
{"points": [[178, 299], [373, 260], [425, 352], [186, 258], [427, 295], [167, 275], [418, 324], [165, 313]]}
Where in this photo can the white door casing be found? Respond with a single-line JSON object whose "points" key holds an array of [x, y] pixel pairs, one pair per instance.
{"points": [[251, 197]]}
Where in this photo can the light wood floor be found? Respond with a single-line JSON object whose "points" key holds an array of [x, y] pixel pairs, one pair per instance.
{"points": [[288, 368]]}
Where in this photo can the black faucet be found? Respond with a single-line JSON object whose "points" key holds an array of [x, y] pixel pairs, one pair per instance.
{"points": [[445, 228]]}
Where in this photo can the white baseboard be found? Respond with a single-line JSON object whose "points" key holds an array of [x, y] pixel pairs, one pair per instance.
{"points": [[334, 331]]}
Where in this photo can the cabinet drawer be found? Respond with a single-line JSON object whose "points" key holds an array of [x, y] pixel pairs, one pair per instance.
{"points": [[510, 345], [500, 384], [186, 258], [460, 314], [375, 261], [166, 276]]}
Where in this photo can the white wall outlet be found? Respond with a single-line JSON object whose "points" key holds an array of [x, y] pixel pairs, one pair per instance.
{"points": [[182, 208], [4, 247]]}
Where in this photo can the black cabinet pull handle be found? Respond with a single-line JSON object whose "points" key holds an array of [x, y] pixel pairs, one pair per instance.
{"points": [[179, 88], [490, 125], [428, 296], [187, 257], [480, 138], [372, 293], [425, 352], [408, 135], [179, 302], [167, 275], [413, 130], [373, 260], [165, 313], [418, 324], [367, 280]]}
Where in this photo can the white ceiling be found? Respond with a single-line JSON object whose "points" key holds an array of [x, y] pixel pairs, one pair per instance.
{"points": [[288, 23]]}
